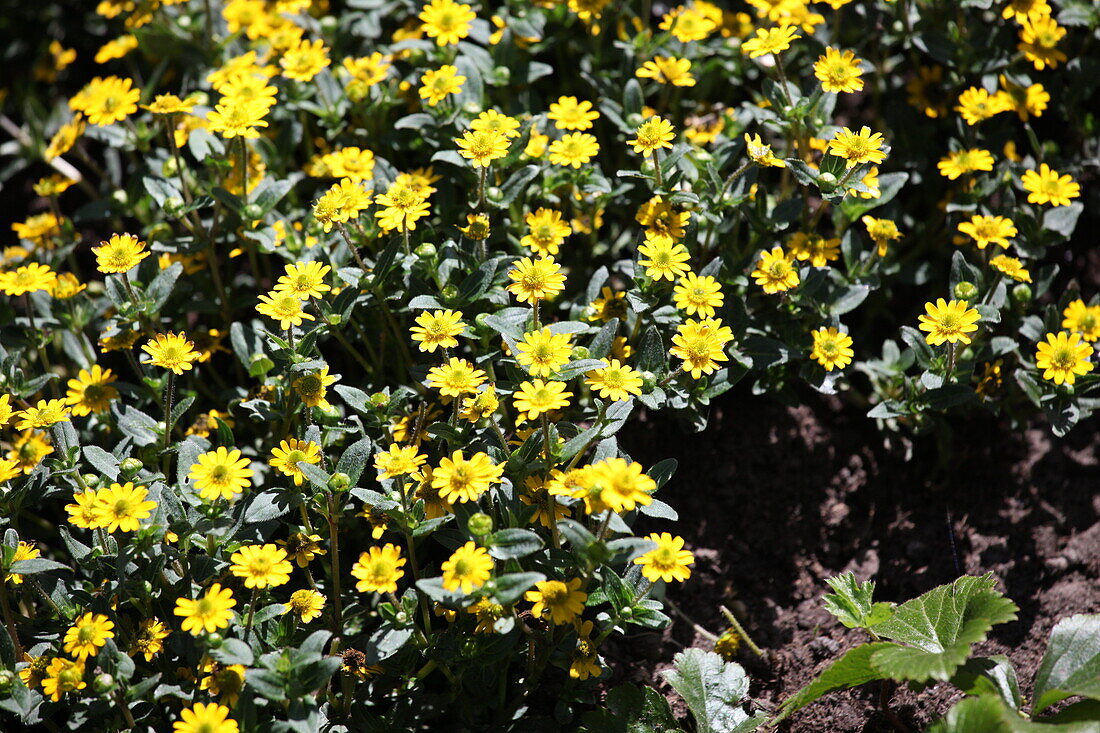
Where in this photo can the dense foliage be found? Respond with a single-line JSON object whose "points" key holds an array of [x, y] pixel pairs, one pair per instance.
{"points": [[323, 320]]}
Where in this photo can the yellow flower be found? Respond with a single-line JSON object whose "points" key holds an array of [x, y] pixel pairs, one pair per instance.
{"points": [[760, 153], [446, 21], [698, 295], [205, 718], [65, 137], [28, 449], [663, 259], [438, 84], [858, 147], [977, 104], [67, 286], [961, 162], [546, 231], [561, 602], [458, 479], [437, 329], [312, 388], [839, 71], [652, 135], [1063, 357], [775, 271], [701, 344], [949, 322], [172, 352], [667, 70], [116, 48], [1024, 10], [574, 149], [289, 453], [379, 569], [399, 461], [170, 104], [925, 91], [121, 507], [481, 405], [305, 61], [986, 230], [615, 382], [223, 681], [354, 163], [770, 40], [9, 469], [832, 349], [306, 604], [42, 415], [5, 409], [40, 229], [107, 101], [1026, 101], [1012, 267], [543, 352], [622, 484], [467, 569], [87, 634], [27, 279], [569, 114], [493, 121], [210, 612], [283, 306], [814, 248], [342, 202], [403, 203], [455, 378], [661, 218], [535, 280], [668, 561], [881, 231], [261, 566], [303, 547], [537, 397], [610, 304], [1046, 186], [149, 640], [221, 474], [477, 227], [304, 279], [120, 253], [482, 147], [689, 24], [1039, 39], [63, 675], [1082, 318], [237, 119], [585, 660]]}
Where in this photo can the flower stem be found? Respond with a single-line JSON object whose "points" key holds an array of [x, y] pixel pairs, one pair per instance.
{"points": [[741, 631]]}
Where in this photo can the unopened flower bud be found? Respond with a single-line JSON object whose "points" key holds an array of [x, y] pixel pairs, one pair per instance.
{"points": [[480, 524], [579, 352], [252, 211], [7, 681], [131, 465], [426, 251], [103, 683], [339, 482], [379, 399], [965, 290], [827, 179], [214, 640], [92, 480], [1022, 293]]}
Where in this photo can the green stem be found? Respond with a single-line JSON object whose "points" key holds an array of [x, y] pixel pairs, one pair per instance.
{"points": [[166, 460], [741, 631]]}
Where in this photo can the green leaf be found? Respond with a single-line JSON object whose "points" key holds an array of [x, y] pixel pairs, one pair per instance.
{"points": [[712, 688], [989, 676], [985, 714], [851, 670], [507, 589], [631, 709], [939, 628], [851, 602], [1071, 665], [510, 544]]}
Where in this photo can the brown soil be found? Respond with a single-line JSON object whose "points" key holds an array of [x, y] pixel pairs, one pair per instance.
{"points": [[772, 500]]}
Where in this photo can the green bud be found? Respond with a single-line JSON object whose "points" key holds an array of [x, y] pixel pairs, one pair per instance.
{"points": [[170, 168], [252, 211], [380, 399], [103, 683], [131, 465], [634, 120], [214, 640], [579, 352], [494, 193], [827, 180], [426, 251], [201, 98], [649, 381], [449, 292], [120, 197], [480, 524], [966, 290], [329, 24], [1022, 294], [92, 480], [402, 617], [339, 482], [7, 681], [334, 319], [503, 74], [472, 108]]}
